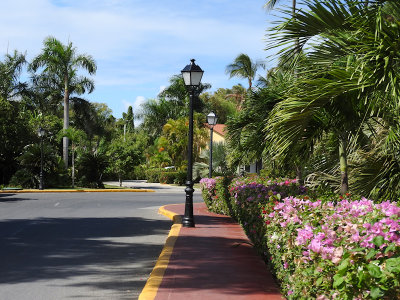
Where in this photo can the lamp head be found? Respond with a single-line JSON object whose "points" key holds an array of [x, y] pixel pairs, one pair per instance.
{"points": [[212, 119], [40, 132], [192, 74]]}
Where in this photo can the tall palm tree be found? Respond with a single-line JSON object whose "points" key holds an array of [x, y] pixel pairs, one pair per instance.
{"points": [[10, 71], [337, 79], [244, 67], [60, 65]]}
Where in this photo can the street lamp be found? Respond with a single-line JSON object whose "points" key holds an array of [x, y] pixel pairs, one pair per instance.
{"points": [[192, 74], [212, 121], [40, 133]]}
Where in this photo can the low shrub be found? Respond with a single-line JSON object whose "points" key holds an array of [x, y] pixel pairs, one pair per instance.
{"points": [[176, 177], [331, 249], [180, 177], [222, 203], [153, 175], [348, 250], [249, 194], [207, 186]]}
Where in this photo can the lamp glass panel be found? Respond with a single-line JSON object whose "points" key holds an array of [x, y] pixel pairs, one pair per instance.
{"points": [[196, 78], [186, 78]]}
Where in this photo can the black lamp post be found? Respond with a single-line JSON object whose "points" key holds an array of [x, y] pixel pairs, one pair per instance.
{"points": [[212, 121], [192, 74], [41, 135]]}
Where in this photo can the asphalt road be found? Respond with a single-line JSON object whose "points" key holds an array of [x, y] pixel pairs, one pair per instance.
{"points": [[80, 245]]}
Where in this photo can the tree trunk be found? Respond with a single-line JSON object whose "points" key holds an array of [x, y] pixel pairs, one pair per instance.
{"points": [[297, 42], [344, 185], [120, 180], [299, 175], [66, 121], [73, 166]]}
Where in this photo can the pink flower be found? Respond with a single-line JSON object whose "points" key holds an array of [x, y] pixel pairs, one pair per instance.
{"points": [[315, 246]]}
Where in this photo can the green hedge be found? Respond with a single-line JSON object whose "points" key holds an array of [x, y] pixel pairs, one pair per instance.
{"points": [[165, 176], [153, 175], [176, 177]]}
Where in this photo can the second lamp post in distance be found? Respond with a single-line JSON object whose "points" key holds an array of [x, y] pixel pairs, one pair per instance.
{"points": [[41, 135], [212, 121]]}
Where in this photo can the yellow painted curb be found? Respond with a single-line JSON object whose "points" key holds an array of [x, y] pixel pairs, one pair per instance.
{"points": [[149, 291], [77, 191]]}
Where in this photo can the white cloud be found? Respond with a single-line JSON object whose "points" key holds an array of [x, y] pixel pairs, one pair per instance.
{"points": [[139, 44], [138, 101]]}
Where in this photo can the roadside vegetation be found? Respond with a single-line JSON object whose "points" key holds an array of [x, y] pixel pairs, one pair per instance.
{"points": [[326, 118]]}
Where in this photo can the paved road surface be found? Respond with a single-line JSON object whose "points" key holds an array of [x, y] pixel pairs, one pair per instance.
{"points": [[80, 245]]}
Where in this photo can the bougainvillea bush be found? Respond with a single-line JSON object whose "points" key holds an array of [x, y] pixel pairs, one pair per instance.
{"points": [[344, 250], [216, 194], [208, 190], [249, 194]]}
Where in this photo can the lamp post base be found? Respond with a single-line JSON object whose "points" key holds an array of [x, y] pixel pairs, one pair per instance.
{"points": [[188, 220]]}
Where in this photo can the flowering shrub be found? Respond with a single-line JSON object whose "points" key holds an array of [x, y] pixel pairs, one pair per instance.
{"points": [[348, 250], [249, 194], [207, 186], [216, 195]]}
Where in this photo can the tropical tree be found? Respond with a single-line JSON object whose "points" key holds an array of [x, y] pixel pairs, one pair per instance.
{"points": [[246, 136], [349, 76], [61, 64], [128, 118], [244, 67], [221, 102], [125, 155], [76, 137], [155, 113], [10, 71], [174, 139]]}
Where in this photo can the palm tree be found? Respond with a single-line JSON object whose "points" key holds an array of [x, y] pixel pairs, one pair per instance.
{"points": [[60, 65], [10, 71], [350, 72], [76, 136], [244, 67]]}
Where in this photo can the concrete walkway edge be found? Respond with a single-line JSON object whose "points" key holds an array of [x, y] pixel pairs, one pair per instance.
{"points": [[77, 191], [149, 291]]}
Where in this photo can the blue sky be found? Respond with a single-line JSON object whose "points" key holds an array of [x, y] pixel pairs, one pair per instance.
{"points": [[139, 44]]}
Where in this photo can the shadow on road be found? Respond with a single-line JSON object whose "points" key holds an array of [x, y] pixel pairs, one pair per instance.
{"points": [[50, 248], [10, 197]]}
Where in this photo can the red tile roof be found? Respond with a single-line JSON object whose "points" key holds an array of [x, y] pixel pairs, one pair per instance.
{"points": [[218, 128]]}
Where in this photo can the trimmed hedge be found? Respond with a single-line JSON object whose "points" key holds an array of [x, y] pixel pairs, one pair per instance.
{"points": [[176, 177], [165, 176]]}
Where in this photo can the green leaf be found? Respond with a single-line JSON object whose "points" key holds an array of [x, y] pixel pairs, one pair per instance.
{"points": [[376, 293], [378, 240], [374, 270], [338, 280], [343, 266], [371, 254], [319, 281], [361, 277], [393, 265], [390, 248]]}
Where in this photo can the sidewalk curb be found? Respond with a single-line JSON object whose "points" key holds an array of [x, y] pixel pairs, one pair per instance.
{"points": [[149, 291], [78, 191]]}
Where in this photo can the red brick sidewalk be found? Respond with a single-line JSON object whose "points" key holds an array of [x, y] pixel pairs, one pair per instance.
{"points": [[214, 261]]}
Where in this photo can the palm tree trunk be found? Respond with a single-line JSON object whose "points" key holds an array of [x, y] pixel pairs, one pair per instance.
{"points": [[73, 166], [344, 184], [299, 175], [66, 121], [297, 42]]}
